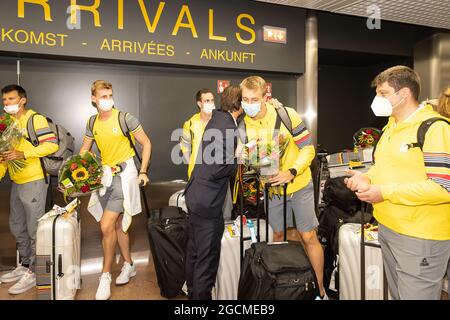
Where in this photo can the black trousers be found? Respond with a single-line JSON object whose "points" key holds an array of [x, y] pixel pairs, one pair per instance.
{"points": [[203, 255]]}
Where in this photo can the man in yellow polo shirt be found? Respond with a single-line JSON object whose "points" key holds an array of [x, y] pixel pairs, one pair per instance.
{"points": [[260, 122], [409, 188], [194, 127], [122, 197], [29, 189]]}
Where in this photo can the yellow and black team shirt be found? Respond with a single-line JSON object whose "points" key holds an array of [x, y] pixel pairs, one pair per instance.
{"points": [[114, 146], [48, 144]]}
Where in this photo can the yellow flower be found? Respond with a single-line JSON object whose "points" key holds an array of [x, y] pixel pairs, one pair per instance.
{"points": [[80, 174]]}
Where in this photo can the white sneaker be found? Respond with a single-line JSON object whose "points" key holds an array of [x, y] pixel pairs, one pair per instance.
{"points": [[14, 275], [27, 282], [128, 271], [104, 287]]}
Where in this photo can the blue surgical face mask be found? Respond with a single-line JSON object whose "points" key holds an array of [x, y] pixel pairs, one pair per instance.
{"points": [[251, 109]]}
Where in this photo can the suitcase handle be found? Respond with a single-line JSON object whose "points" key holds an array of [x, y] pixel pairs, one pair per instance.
{"points": [[266, 197], [365, 208], [144, 197], [60, 273]]}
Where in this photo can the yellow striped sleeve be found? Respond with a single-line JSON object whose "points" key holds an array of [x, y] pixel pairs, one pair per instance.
{"points": [[436, 154], [43, 131], [139, 128]]}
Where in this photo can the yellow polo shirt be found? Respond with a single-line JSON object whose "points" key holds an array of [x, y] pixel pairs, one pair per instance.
{"points": [[114, 146]]}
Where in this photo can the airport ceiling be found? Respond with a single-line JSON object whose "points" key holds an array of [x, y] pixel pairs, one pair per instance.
{"points": [[431, 13]]}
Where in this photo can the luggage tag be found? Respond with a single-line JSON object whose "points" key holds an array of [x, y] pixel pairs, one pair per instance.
{"points": [[251, 226]]}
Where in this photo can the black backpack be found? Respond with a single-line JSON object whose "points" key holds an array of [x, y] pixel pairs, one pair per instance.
{"points": [[337, 194], [421, 132]]}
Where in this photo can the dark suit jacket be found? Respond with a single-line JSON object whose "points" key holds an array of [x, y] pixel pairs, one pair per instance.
{"points": [[216, 163]]}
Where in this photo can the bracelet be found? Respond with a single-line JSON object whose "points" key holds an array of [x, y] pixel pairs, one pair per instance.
{"points": [[144, 173]]}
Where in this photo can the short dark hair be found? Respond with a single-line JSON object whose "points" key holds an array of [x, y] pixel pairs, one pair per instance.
{"points": [[231, 98], [400, 77], [14, 87], [199, 94]]}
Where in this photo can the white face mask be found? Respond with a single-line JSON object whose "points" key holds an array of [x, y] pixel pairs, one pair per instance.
{"points": [[208, 108], [12, 109], [382, 107], [105, 104], [251, 109]]}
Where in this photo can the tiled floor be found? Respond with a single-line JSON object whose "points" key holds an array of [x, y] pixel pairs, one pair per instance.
{"points": [[142, 287]]}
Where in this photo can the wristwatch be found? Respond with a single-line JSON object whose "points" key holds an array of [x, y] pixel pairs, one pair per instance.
{"points": [[293, 172]]}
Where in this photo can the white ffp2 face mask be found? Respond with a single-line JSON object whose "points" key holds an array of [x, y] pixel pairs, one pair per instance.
{"points": [[208, 108], [382, 107], [12, 109], [105, 104]]}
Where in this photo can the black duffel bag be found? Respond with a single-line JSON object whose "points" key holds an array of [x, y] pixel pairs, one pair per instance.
{"points": [[277, 272], [337, 194]]}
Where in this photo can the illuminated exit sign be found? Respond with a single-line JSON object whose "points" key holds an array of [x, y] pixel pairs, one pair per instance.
{"points": [[275, 34]]}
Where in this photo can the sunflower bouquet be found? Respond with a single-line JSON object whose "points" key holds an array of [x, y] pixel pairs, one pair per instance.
{"points": [[366, 137], [80, 175], [10, 135]]}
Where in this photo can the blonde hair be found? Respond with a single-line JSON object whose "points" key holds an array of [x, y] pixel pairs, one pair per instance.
{"points": [[254, 83], [100, 85], [444, 103]]}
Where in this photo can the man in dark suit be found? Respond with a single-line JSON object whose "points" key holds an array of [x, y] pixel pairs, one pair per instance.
{"points": [[205, 195]]}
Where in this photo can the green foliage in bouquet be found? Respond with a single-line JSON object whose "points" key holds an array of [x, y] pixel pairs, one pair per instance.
{"points": [[265, 158], [260, 154], [80, 175], [10, 135]]}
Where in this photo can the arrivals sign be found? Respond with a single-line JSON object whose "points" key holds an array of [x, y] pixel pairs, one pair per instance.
{"points": [[207, 33]]}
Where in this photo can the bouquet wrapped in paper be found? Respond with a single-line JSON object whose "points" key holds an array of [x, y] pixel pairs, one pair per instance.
{"points": [[10, 135], [265, 156], [80, 175]]}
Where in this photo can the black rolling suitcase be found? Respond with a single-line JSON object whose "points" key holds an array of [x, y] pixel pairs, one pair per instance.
{"points": [[277, 271], [167, 232]]}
